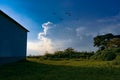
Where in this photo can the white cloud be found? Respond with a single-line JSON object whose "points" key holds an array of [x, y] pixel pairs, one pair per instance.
{"points": [[33, 48], [72, 34], [42, 35], [80, 31], [38, 47], [43, 43]]}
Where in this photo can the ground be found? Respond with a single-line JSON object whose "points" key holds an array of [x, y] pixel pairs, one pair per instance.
{"points": [[39, 69]]}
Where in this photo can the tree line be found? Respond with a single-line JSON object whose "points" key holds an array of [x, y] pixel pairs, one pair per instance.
{"points": [[108, 49], [68, 53]]}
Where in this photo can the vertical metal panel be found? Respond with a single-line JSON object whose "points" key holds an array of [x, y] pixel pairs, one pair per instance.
{"points": [[13, 41]]}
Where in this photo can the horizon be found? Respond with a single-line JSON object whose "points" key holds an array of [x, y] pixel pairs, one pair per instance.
{"points": [[58, 25]]}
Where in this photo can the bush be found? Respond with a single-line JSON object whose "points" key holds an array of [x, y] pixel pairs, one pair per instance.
{"points": [[96, 55], [117, 60], [68, 53], [106, 55]]}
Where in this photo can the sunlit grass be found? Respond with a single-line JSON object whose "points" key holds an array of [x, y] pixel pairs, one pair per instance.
{"points": [[39, 69], [74, 62]]}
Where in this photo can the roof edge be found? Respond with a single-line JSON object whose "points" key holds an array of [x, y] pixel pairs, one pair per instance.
{"points": [[13, 20]]}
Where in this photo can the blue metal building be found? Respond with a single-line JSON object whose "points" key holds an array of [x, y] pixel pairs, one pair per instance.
{"points": [[13, 40]]}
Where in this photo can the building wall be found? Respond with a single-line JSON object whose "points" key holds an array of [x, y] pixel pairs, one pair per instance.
{"points": [[13, 41]]}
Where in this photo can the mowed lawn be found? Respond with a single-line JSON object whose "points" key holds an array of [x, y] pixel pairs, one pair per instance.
{"points": [[38, 69]]}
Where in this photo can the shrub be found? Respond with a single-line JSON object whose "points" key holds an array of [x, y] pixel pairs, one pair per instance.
{"points": [[107, 55], [117, 60], [68, 53]]}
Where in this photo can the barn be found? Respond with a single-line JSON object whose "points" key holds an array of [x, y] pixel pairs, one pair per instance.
{"points": [[13, 40]]}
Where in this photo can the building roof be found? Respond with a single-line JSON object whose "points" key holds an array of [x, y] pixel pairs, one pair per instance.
{"points": [[11, 19]]}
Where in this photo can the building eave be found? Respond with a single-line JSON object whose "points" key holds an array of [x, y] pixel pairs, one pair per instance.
{"points": [[11, 19]]}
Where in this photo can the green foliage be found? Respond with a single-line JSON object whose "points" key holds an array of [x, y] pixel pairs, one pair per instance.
{"points": [[96, 56], [68, 53], [107, 41], [109, 47], [102, 40], [107, 54], [114, 43], [117, 60]]}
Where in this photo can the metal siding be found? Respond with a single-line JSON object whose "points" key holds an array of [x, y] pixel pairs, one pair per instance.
{"points": [[12, 40], [4, 60]]}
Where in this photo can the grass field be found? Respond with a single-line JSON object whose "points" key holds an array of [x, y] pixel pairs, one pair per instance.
{"points": [[37, 69]]}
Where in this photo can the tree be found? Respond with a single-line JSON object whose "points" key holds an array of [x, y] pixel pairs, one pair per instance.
{"points": [[107, 40], [115, 42], [101, 40], [69, 50]]}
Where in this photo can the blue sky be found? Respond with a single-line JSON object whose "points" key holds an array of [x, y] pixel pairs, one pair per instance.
{"points": [[58, 24]]}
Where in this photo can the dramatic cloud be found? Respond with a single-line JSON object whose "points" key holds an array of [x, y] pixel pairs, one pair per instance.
{"points": [[42, 35], [43, 44], [38, 48], [78, 35]]}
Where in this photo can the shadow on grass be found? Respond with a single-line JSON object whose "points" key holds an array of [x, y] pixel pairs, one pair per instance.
{"points": [[37, 71]]}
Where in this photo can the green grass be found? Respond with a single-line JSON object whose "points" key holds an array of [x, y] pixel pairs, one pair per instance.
{"points": [[37, 69]]}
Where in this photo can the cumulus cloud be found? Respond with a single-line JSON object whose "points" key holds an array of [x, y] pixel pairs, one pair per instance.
{"points": [[33, 48], [43, 43], [78, 35], [38, 48], [42, 35], [45, 27]]}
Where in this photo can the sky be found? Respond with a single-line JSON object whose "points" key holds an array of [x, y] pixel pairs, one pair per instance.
{"points": [[59, 24]]}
